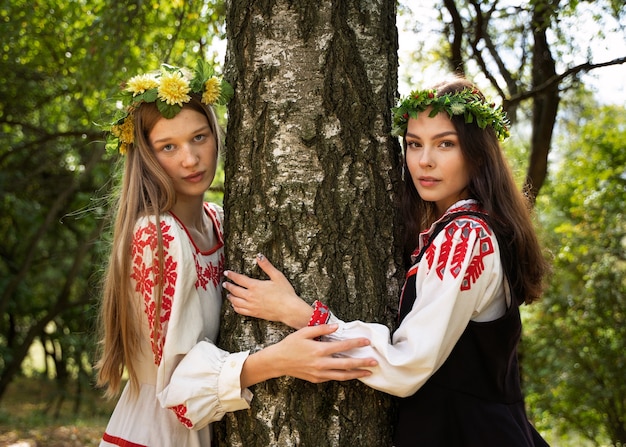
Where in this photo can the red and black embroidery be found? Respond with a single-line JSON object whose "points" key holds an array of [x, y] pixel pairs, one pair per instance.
{"points": [[454, 260], [476, 265], [473, 221]]}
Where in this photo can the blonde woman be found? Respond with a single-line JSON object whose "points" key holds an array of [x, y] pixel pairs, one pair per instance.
{"points": [[160, 310]]}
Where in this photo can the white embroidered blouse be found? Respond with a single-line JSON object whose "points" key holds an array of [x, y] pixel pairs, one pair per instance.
{"points": [[460, 278], [186, 382]]}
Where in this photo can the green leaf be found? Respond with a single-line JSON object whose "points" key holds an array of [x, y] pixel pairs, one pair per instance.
{"points": [[150, 95], [168, 111], [226, 92]]}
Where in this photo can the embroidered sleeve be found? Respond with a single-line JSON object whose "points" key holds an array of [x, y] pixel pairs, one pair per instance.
{"points": [[457, 279], [145, 269], [195, 379], [206, 385]]}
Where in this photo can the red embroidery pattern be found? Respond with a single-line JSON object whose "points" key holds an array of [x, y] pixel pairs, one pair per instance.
{"points": [[460, 251], [181, 411], [209, 273], [446, 246], [454, 260], [145, 274], [430, 255], [320, 314], [476, 266], [119, 441]]}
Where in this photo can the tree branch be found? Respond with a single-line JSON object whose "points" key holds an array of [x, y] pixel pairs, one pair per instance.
{"points": [[556, 80], [456, 46]]}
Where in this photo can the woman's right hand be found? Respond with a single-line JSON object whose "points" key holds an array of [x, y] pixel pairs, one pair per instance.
{"points": [[273, 299], [300, 355]]}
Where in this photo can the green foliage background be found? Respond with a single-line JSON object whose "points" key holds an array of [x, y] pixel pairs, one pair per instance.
{"points": [[60, 62], [576, 336]]}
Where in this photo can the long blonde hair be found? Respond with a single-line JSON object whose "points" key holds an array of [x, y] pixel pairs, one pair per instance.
{"points": [[146, 190]]}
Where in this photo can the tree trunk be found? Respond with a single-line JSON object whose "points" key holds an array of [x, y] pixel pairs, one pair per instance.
{"points": [[311, 181]]}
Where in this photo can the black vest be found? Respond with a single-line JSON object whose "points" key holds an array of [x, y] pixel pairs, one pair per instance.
{"points": [[475, 397]]}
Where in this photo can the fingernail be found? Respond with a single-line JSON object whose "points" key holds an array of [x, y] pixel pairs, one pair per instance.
{"points": [[260, 256], [226, 272]]}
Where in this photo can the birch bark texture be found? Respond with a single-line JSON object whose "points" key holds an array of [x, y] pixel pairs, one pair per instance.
{"points": [[311, 180]]}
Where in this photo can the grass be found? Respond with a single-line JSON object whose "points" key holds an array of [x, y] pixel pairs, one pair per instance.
{"points": [[27, 417], [34, 412]]}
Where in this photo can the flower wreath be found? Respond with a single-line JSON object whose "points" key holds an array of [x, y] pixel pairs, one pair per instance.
{"points": [[169, 88], [467, 102]]}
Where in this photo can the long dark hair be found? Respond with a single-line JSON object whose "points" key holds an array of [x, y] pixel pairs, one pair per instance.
{"points": [[492, 184]]}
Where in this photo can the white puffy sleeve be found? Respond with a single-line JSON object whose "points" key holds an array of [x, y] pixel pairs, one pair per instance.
{"points": [[460, 278], [205, 385], [195, 379]]}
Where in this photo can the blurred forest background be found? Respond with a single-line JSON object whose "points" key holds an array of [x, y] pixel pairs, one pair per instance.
{"points": [[559, 68]]}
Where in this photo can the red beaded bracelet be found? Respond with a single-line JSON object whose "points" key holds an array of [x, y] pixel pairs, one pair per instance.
{"points": [[320, 314]]}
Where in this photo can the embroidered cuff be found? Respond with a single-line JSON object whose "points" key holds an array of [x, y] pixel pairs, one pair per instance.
{"points": [[320, 314]]}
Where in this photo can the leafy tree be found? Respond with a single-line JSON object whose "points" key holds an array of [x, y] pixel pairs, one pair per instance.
{"points": [[577, 334], [527, 52]]}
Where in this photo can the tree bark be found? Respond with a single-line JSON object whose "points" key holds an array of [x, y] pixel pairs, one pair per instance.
{"points": [[312, 176]]}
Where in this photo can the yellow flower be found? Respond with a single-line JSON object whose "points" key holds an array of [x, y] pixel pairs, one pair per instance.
{"points": [[212, 90], [173, 88], [115, 130], [127, 130], [140, 83]]}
